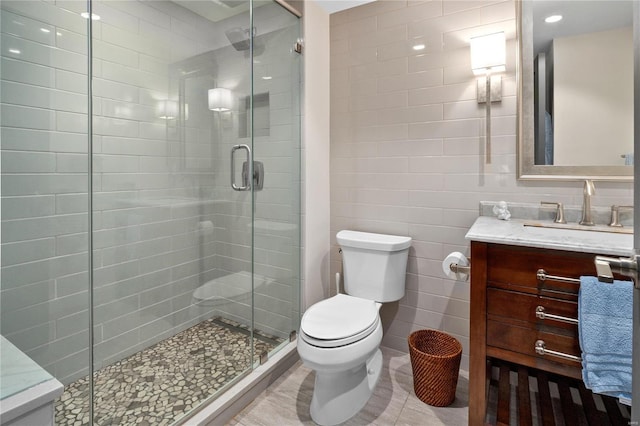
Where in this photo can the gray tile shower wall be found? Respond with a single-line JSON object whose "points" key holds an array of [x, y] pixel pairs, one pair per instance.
{"points": [[406, 145], [156, 185]]}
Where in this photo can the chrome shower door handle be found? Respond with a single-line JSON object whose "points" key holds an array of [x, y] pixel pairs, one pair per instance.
{"points": [[246, 185]]}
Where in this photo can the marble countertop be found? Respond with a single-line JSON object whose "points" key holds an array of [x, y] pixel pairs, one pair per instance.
{"points": [[491, 230]]}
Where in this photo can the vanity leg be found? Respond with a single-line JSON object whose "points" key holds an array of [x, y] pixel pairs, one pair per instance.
{"points": [[478, 335]]}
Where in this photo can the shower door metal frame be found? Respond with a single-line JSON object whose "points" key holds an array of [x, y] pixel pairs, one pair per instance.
{"points": [[90, 204], [635, 382]]}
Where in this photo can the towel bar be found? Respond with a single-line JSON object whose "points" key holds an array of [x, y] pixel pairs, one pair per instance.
{"points": [[627, 266], [543, 276], [542, 314], [542, 350]]}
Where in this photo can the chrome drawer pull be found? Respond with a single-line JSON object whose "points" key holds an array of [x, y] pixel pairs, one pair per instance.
{"points": [[543, 276], [541, 350], [542, 314]]}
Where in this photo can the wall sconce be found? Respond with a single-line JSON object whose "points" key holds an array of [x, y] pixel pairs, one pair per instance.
{"points": [[220, 99], [488, 55], [167, 109]]}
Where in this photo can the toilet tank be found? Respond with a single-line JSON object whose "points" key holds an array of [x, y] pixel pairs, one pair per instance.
{"points": [[374, 265]]}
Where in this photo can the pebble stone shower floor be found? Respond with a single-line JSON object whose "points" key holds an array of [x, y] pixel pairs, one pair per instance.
{"points": [[160, 384]]}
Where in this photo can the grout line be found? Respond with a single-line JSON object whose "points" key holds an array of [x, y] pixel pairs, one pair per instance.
{"points": [[402, 409]]}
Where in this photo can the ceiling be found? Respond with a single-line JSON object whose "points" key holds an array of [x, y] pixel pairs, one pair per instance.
{"points": [[218, 10], [332, 6], [215, 10], [579, 17]]}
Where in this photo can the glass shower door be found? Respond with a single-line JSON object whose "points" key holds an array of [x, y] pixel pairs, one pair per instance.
{"points": [[172, 240], [276, 171]]}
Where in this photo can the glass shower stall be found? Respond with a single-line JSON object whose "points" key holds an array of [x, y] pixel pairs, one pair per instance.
{"points": [[150, 198]]}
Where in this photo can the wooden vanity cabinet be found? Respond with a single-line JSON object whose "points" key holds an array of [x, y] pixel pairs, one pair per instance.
{"points": [[505, 293]]}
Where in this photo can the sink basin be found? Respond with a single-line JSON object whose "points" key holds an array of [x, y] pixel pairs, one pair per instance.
{"points": [[578, 227]]}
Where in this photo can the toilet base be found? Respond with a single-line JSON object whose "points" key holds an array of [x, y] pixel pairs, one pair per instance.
{"points": [[338, 396]]}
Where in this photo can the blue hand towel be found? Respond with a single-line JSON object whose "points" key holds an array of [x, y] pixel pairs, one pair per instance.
{"points": [[605, 315]]}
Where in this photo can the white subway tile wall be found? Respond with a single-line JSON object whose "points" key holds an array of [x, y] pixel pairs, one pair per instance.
{"points": [[165, 218], [406, 145], [44, 183]]}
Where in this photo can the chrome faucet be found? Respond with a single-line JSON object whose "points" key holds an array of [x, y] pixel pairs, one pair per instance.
{"points": [[587, 192]]}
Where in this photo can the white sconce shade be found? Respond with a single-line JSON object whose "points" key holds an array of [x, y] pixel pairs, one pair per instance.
{"points": [[488, 53], [220, 99], [167, 109]]}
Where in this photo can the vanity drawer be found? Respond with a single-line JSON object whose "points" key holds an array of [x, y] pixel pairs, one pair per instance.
{"points": [[515, 268], [521, 308], [523, 340]]}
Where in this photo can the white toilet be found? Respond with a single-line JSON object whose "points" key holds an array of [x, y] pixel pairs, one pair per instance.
{"points": [[340, 336]]}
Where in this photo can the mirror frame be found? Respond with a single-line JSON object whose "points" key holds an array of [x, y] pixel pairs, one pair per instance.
{"points": [[526, 169]]}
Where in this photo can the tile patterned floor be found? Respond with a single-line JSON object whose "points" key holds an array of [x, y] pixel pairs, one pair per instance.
{"points": [[162, 383], [286, 401]]}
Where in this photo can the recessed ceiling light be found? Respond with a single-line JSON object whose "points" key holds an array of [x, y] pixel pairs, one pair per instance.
{"points": [[94, 17], [418, 46], [16, 51], [267, 77], [58, 33], [553, 18], [45, 30]]}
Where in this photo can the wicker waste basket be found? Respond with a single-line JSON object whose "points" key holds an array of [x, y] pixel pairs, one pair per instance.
{"points": [[435, 360]]}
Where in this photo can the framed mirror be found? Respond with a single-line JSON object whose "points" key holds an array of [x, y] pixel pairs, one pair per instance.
{"points": [[575, 90]]}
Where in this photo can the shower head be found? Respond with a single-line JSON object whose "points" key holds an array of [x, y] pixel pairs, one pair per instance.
{"points": [[239, 38]]}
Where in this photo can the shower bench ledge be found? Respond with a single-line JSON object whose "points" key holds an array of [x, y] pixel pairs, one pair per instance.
{"points": [[27, 391]]}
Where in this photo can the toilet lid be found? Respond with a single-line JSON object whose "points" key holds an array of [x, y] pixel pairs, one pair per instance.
{"points": [[339, 317]]}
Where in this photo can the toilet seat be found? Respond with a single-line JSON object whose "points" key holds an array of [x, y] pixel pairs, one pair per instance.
{"points": [[339, 321]]}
